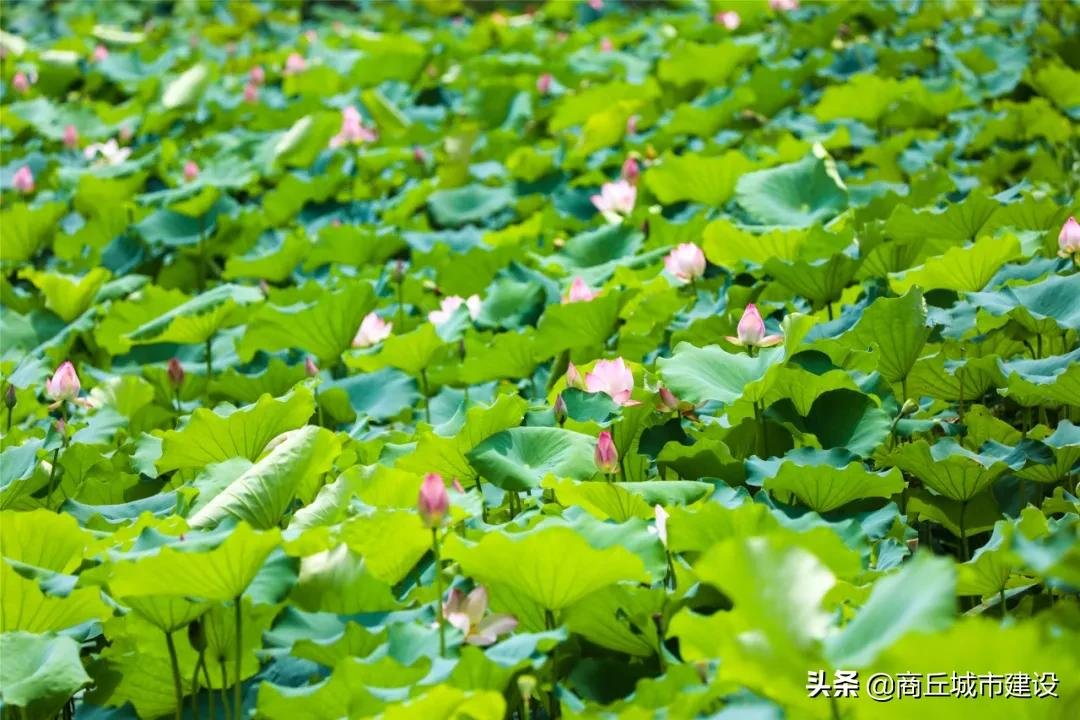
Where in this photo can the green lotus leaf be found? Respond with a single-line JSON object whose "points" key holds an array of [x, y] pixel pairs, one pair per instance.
{"points": [[264, 492], [576, 325], [337, 580], [726, 244], [390, 541], [937, 376], [68, 296], [469, 204], [20, 533], [820, 281], [698, 375], [605, 500], [619, 618], [826, 480], [554, 567], [520, 458], [1047, 381], [354, 641], [949, 468], [711, 64], [167, 613], [27, 607], [26, 229], [186, 88], [796, 195], [411, 352], [1064, 442], [709, 180], [343, 694], [445, 702], [209, 437], [40, 672], [1043, 307], [897, 328], [964, 269]]}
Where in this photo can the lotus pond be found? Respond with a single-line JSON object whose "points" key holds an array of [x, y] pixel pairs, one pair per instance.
{"points": [[699, 359]]}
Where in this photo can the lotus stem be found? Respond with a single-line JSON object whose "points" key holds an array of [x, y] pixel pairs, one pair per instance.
{"points": [[209, 690], [963, 532], [237, 690], [195, 688], [439, 591], [209, 363], [224, 684], [52, 475], [175, 663], [424, 389]]}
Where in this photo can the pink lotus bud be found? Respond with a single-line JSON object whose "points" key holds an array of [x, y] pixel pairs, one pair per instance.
{"points": [[71, 137], [20, 82], [257, 75], [606, 456], [661, 516], [543, 84], [606, 45], [251, 93], [729, 19], [295, 63], [579, 292], [64, 384], [399, 270], [784, 5], [310, 368], [419, 155], [751, 331], [686, 262], [612, 377], [573, 377], [264, 287], [560, 409], [176, 373], [630, 169], [596, 4], [1069, 238], [191, 171], [23, 180], [667, 402], [373, 330], [433, 502], [615, 201], [10, 399], [631, 124]]}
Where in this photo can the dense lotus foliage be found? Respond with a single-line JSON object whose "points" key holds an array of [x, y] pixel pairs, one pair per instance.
{"points": [[530, 360]]}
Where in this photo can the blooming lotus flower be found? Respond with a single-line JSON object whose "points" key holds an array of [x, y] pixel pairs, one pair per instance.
{"points": [[433, 501], [352, 131], [20, 82], [751, 331], [606, 456], [451, 303], [543, 84], [310, 368], [1069, 238], [612, 377], [251, 93], [373, 330], [295, 63], [784, 5], [466, 613], [616, 200], [686, 262], [110, 152], [606, 45], [573, 377], [257, 75], [23, 180], [630, 170], [175, 372], [63, 385], [100, 53], [191, 171], [71, 137], [579, 292], [661, 516], [729, 19]]}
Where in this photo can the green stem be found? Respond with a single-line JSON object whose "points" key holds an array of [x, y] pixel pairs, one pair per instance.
{"points": [[1004, 608], [439, 591], [480, 490], [237, 689], [963, 532], [401, 305], [175, 675], [424, 389], [835, 707], [224, 684], [828, 307], [9, 411], [195, 688], [209, 689], [52, 475], [322, 422]]}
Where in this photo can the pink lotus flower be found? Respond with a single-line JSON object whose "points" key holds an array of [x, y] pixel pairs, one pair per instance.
{"points": [[596, 4], [631, 170], [63, 385], [631, 124], [23, 180], [729, 19], [251, 93], [606, 45], [373, 330], [606, 456], [751, 331], [352, 131], [310, 368], [579, 292], [686, 262], [71, 137], [433, 501], [466, 613], [543, 84], [20, 82], [191, 171], [1069, 238], [784, 5], [100, 53], [175, 371], [612, 377], [615, 201], [450, 304], [573, 377], [295, 63], [661, 516], [257, 75]]}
